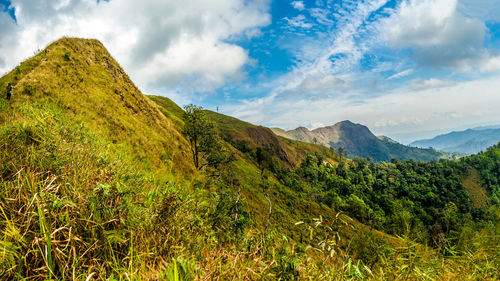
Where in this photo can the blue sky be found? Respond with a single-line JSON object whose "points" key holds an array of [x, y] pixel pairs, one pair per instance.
{"points": [[408, 69]]}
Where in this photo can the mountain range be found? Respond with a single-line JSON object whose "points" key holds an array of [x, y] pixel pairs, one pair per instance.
{"points": [[99, 183], [357, 140], [462, 142]]}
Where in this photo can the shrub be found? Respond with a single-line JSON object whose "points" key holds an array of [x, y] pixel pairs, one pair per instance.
{"points": [[368, 247]]}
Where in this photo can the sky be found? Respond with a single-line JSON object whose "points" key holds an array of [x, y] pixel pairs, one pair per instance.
{"points": [[408, 69]]}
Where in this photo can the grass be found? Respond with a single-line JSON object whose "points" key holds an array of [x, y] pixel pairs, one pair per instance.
{"points": [[93, 87], [97, 184]]}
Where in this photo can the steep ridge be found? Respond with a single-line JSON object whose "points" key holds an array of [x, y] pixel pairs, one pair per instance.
{"points": [[80, 77], [87, 163], [358, 140]]}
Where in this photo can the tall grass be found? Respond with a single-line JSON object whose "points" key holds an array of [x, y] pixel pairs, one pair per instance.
{"points": [[74, 207], [79, 200]]}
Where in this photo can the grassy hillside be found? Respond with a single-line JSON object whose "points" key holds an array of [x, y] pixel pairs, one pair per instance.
{"points": [[243, 138], [86, 161], [242, 134], [97, 183], [81, 79]]}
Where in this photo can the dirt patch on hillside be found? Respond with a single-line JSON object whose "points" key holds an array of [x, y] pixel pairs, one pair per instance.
{"points": [[263, 136], [477, 193]]}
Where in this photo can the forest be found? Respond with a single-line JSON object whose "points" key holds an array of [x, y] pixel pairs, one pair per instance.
{"points": [[426, 201]]}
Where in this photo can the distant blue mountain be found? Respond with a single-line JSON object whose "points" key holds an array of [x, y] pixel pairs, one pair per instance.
{"points": [[466, 142]]}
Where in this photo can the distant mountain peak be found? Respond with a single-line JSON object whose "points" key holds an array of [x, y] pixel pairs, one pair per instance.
{"points": [[347, 122], [303, 129], [465, 142], [358, 140]]}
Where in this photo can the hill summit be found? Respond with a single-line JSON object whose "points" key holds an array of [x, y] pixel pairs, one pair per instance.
{"points": [[357, 140], [87, 83]]}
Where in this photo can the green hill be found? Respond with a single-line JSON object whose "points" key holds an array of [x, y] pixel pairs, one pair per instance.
{"points": [[97, 182], [81, 80], [99, 159]]}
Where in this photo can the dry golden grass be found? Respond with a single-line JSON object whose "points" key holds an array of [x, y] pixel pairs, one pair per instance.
{"points": [[96, 183]]}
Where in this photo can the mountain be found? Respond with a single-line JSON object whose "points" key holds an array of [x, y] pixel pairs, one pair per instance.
{"points": [[98, 183], [462, 142], [107, 165], [358, 140]]}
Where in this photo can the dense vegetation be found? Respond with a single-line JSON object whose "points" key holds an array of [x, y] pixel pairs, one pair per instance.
{"points": [[427, 202], [97, 182]]}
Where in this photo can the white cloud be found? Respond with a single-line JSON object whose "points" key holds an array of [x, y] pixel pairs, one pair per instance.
{"points": [[172, 43], [491, 64], [440, 34], [298, 21], [322, 16], [431, 83], [299, 5], [427, 23], [397, 121], [324, 83], [315, 125], [194, 64]]}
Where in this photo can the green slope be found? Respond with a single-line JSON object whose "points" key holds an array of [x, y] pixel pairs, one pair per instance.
{"points": [[97, 182], [83, 80], [86, 162], [243, 138]]}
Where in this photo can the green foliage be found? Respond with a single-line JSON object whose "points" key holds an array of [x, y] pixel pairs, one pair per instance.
{"points": [[357, 208], [264, 159], [369, 248], [179, 269], [29, 89], [425, 200], [230, 218], [206, 146]]}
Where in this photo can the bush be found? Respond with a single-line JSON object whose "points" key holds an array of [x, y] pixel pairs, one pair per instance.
{"points": [[369, 248], [29, 90]]}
